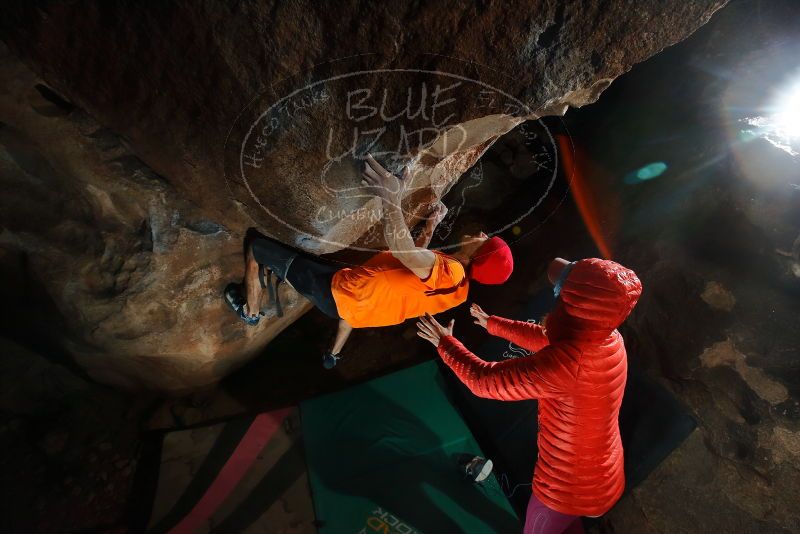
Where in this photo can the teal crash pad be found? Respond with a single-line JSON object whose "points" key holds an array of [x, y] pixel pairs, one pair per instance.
{"points": [[383, 457]]}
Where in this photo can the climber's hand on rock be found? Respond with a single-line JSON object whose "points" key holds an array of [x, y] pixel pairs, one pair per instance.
{"points": [[438, 213], [430, 329], [382, 183], [481, 317]]}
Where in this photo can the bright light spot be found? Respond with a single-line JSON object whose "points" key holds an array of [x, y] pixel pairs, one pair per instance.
{"points": [[787, 113], [782, 126]]}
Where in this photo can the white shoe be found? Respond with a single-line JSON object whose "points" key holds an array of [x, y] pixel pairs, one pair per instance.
{"points": [[478, 469]]}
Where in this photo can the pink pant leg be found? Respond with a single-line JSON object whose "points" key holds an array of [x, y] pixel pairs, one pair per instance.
{"points": [[540, 519]]}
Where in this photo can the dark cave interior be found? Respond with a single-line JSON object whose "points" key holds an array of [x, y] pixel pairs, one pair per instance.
{"points": [[669, 176]]}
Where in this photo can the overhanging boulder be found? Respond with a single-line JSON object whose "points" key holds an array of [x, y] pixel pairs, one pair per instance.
{"points": [[141, 141]]}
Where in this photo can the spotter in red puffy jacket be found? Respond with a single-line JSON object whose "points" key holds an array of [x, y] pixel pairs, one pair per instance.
{"points": [[578, 375]]}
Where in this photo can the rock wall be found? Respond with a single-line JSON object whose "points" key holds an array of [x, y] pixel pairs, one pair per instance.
{"points": [[134, 270], [141, 141]]}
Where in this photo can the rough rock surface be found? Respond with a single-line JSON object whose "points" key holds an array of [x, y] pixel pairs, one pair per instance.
{"points": [[133, 270], [149, 140]]}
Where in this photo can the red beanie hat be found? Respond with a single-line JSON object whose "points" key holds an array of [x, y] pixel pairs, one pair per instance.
{"points": [[492, 263]]}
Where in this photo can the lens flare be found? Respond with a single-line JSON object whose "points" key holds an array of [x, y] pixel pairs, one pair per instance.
{"points": [[781, 124], [648, 172], [574, 164]]}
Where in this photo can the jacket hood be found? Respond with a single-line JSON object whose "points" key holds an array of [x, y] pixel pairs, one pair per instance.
{"points": [[596, 297]]}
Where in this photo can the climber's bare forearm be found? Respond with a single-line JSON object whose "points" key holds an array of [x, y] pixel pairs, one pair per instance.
{"points": [[390, 189], [435, 217], [398, 237], [424, 238]]}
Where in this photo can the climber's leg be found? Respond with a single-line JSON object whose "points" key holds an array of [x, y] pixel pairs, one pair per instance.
{"points": [[342, 333], [271, 257], [331, 356], [312, 277], [276, 256], [252, 285], [309, 275]]}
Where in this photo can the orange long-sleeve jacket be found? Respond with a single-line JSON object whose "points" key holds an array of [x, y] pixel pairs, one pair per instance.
{"points": [[578, 374]]}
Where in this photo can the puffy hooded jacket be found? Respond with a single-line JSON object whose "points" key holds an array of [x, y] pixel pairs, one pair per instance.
{"points": [[578, 375]]}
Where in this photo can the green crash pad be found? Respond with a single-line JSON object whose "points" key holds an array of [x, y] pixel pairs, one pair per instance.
{"points": [[384, 457]]}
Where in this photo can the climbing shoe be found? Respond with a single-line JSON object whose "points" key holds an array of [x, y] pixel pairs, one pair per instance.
{"points": [[330, 359], [234, 299]]}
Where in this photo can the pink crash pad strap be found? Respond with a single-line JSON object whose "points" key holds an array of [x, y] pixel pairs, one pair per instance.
{"points": [[260, 432]]}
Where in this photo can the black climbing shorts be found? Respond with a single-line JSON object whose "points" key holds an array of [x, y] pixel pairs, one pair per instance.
{"points": [[309, 275]]}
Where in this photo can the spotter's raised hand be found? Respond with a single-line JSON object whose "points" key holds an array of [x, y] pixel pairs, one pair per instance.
{"points": [[481, 317], [430, 329]]}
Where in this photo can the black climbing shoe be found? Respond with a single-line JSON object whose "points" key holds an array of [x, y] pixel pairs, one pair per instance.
{"points": [[234, 299], [329, 359]]}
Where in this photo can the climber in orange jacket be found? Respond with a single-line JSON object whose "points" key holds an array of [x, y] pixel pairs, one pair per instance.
{"points": [[577, 373], [404, 282]]}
